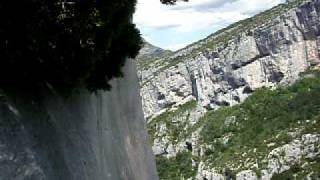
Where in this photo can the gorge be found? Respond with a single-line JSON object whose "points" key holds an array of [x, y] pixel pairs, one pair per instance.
{"points": [[199, 109], [241, 104]]}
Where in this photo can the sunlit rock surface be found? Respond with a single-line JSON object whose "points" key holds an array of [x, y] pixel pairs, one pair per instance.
{"points": [[222, 71], [269, 55]]}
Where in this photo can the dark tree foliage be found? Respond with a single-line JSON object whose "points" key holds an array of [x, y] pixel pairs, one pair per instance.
{"points": [[67, 44], [171, 2]]}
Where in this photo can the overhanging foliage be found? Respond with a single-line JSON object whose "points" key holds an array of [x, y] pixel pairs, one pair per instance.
{"points": [[68, 44]]}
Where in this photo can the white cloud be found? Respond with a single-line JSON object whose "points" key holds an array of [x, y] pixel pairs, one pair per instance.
{"points": [[183, 17], [195, 15], [175, 47]]}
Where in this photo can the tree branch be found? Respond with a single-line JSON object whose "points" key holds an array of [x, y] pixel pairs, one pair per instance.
{"points": [[171, 2]]}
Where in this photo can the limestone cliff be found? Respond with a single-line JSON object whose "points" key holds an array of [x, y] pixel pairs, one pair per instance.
{"points": [[224, 68], [83, 137], [268, 50]]}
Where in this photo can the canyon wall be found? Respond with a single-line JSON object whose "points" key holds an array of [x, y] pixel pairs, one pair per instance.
{"points": [[223, 71], [269, 50], [85, 136]]}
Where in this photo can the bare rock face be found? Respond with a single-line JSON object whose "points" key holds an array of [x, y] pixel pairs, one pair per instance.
{"points": [[279, 160], [247, 175], [101, 136], [269, 55], [288, 155], [223, 70]]}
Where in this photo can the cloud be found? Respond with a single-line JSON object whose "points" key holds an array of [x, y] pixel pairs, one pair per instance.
{"points": [[166, 26], [175, 47], [204, 5], [192, 20], [184, 17]]}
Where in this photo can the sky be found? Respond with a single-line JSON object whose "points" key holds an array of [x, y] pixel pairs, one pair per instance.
{"points": [[174, 27]]}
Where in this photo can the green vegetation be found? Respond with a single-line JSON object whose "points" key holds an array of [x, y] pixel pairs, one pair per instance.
{"points": [[173, 122], [238, 136], [66, 44], [311, 169], [145, 62], [265, 117], [176, 168], [287, 175]]}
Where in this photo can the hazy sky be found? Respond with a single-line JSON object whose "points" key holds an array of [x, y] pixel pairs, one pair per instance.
{"points": [[173, 27]]}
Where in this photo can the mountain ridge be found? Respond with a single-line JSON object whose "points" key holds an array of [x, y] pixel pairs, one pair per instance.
{"points": [[277, 10], [183, 93]]}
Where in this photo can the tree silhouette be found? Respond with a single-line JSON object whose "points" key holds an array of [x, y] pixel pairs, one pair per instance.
{"points": [[171, 2], [68, 44]]}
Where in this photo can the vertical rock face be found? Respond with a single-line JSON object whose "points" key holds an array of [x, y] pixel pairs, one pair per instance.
{"points": [[269, 50], [225, 73], [84, 137]]}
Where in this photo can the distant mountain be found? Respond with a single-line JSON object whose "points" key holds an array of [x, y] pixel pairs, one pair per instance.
{"points": [[149, 53], [152, 51]]}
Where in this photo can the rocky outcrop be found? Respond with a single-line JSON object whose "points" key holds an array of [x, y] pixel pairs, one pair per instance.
{"points": [[83, 137], [279, 160], [268, 50], [286, 156], [269, 55]]}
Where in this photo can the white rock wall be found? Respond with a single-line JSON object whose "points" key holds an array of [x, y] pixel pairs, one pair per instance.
{"points": [[267, 56]]}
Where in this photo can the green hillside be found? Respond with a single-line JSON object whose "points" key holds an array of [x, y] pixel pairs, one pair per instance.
{"points": [[266, 117]]}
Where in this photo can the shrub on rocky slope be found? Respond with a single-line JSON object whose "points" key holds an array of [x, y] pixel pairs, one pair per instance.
{"points": [[253, 134], [264, 121]]}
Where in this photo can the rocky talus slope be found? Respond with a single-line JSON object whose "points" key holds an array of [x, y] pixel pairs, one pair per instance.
{"points": [[202, 123]]}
